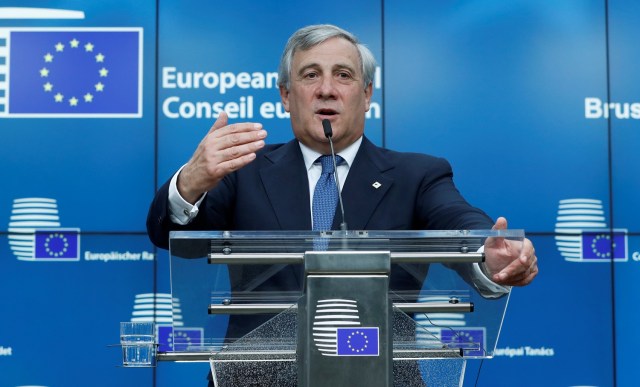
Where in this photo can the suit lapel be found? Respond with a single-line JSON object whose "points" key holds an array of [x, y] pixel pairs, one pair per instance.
{"points": [[285, 181], [365, 186]]}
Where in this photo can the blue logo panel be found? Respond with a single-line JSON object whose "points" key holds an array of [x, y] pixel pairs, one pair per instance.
{"points": [[358, 341], [57, 245], [74, 72], [598, 246]]}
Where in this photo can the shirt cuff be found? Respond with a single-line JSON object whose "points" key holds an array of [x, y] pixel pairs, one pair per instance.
{"points": [[180, 211], [485, 286]]}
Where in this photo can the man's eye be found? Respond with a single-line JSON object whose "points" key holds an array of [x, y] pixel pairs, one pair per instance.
{"points": [[344, 75], [311, 75]]}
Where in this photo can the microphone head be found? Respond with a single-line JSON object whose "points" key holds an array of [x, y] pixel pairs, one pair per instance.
{"points": [[326, 125]]}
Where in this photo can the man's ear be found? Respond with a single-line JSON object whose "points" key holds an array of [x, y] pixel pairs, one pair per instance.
{"points": [[368, 92], [284, 96]]}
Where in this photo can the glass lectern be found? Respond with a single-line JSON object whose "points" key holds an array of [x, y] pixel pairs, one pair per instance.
{"points": [[343, 308]]}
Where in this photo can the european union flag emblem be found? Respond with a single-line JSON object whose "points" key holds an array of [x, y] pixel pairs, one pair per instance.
{"points": [[470, 340], [71, 72], [60, 244], [358, 341], [604, 245], [178, 338]]}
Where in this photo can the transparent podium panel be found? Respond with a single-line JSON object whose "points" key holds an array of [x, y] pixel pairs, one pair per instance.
{"points": [[267, 356], [405, 308]]}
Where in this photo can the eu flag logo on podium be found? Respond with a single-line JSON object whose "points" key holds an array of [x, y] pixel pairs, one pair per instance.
{"points": [[358, 341], [470, 340], [179, 338], [71, 72], [57, 245]]}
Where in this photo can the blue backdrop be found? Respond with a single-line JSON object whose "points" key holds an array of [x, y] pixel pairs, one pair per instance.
{"points": [[536, 105]]}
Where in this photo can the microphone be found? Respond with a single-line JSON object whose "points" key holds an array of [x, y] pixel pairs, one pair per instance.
{"points": [[328, 133]]}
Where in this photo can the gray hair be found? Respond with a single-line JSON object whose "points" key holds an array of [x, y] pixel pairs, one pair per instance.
{"points": [[311, 36]]}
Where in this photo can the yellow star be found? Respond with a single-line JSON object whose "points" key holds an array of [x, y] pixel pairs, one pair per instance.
{"points": [[59, 47], [58, 97], [104, 72], [73, 101], [88, 97], [99, 86], [99, 58], [88, 47], [48, 58], [48, 86], [44, 72], [74, 43]]}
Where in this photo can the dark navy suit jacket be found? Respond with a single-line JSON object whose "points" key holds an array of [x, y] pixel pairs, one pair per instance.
{"points": [[415, 192]]}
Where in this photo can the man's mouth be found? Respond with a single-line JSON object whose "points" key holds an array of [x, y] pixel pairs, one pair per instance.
{"points": [[326, 112]]}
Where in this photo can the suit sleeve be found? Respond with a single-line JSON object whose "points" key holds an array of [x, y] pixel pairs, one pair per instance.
{"points": [[442, 207], [215, 213]]}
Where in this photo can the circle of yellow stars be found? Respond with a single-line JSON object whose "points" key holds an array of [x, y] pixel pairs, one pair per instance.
{"points": [[363, 346], [594, 246], [50, 240], [74, 44]]}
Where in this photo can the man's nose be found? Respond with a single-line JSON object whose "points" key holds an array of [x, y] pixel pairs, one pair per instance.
{"points": [[326, 88]]}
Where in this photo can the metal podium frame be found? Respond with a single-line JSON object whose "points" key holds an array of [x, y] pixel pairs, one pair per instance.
{"points": [[344, 326]]}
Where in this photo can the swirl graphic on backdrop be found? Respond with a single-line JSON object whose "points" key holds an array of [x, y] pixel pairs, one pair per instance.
{"points": [[27, 215], [35, 233], [165, 311], [582, 233], [160, 308]]}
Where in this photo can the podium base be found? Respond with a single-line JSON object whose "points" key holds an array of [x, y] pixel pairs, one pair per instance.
{"points": [[267, 357]]}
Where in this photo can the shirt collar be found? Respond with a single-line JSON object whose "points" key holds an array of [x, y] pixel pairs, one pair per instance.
{"points": [[348, 154]]}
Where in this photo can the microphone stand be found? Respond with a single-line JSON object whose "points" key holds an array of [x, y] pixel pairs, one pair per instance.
{"points": [[328, 132]]}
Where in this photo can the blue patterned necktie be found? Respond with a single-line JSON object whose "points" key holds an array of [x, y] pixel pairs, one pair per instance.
{"points": [[325, 196]]}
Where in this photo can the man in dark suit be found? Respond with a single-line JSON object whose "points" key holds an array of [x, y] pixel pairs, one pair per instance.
{"points": [[234, 181]]}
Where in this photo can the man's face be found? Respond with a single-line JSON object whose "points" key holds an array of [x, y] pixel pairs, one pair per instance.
{"points": [[327, 83]]}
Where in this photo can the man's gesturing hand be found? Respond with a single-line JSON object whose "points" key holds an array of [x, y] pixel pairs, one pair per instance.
{"points": [[225, 148], [509, 262]]}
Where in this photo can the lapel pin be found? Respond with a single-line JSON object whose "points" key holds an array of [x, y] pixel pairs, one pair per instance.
{"points": [[376, 185]]}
